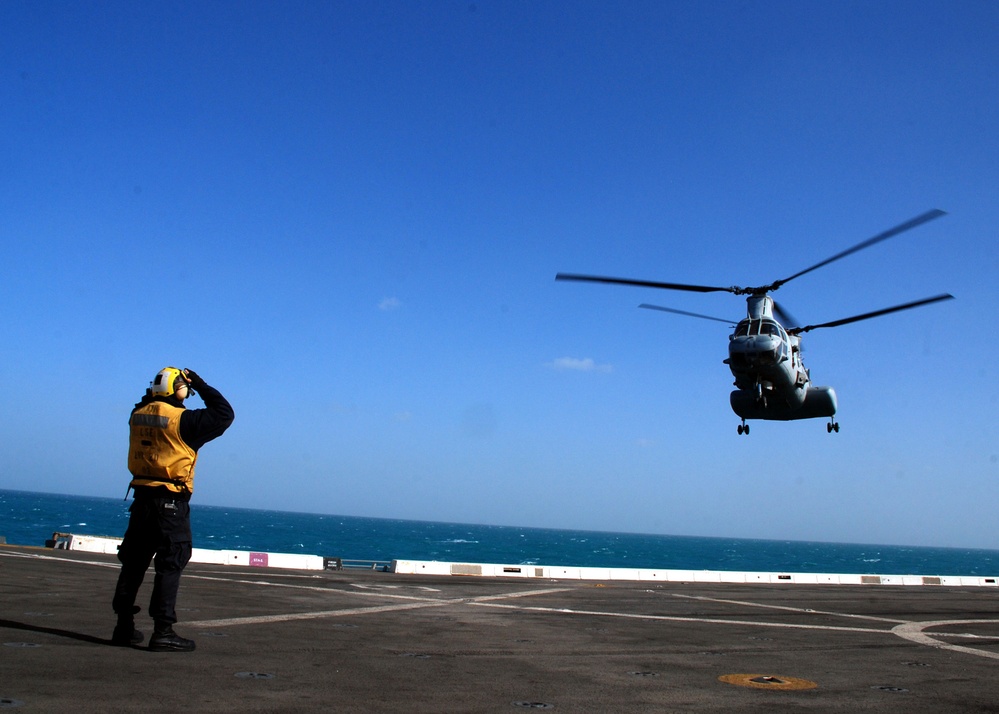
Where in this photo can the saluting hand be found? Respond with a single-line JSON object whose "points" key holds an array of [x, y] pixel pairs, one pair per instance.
{"points": [[193, 377]]}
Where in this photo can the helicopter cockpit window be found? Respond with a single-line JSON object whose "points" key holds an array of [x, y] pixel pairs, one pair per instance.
{"points": [[759, 327], [770, 328]]}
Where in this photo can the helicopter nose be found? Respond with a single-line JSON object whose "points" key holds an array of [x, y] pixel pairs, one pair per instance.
{"points": [[754, 350]]}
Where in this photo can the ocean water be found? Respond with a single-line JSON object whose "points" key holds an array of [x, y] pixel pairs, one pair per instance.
{"points": [[31, 518]]}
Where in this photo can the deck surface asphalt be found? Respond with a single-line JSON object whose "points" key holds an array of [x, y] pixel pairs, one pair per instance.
{"points": [[365, 641]]}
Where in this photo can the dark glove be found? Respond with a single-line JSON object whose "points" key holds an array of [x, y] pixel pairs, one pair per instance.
{"points": [[196, 381]]}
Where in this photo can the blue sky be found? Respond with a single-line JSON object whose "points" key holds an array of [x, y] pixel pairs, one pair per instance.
{"points": [[348, 217]]}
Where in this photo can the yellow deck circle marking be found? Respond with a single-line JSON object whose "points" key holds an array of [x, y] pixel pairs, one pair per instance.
{"points": [[767, 681]]}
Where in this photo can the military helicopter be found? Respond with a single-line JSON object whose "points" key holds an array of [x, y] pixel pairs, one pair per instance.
{"points": [[765, 355]]}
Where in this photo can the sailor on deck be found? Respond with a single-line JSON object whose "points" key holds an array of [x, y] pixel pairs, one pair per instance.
{"points": [[164, 439]]}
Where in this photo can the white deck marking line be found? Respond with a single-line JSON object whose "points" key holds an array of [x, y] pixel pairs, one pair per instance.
{"points": [[263, 619], [270, 573], [61, 560], [314, 588], [369, 593], [807, 611], [521, 593], [913, 631], [315, 615], [194, 576], [365, 586], [677, 618]]}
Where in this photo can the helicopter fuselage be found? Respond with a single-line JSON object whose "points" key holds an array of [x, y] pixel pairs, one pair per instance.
{"points": [[770, 379]]}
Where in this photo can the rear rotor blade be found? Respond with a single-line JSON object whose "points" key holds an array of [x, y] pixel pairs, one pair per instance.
{"points": [[688, 314], [786, 318], [890, 233], [876, 313], [643, 283]]}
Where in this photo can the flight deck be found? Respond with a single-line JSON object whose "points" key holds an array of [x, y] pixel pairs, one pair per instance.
{"points": [[370, 641]]}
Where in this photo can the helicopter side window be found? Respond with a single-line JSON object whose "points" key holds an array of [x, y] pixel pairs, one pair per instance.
{"points": [[742, 329]]}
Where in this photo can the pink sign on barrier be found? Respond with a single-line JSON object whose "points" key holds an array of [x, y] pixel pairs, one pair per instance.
{"points": [[258, 560]]}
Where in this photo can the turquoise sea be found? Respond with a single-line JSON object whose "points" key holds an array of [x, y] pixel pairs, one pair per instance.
{"points": [[31, 518]]}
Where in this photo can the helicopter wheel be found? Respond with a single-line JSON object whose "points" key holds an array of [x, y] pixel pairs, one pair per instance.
{"points": [[832, 426], [743, 429]]}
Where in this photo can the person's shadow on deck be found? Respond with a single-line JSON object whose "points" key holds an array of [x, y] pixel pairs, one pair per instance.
{"points": [[13, 625]]}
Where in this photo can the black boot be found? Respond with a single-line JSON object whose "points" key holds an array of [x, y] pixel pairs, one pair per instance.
{"points": [[125, 634], [164, 639]]}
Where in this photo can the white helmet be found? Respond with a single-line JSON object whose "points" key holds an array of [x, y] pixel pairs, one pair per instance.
{"points": [[166, 382]]}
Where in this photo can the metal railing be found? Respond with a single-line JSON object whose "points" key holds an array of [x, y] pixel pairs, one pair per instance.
{"points": [[384, 566]]}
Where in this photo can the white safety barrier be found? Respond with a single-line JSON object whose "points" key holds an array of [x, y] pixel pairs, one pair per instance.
{"points": [[294, 561], [95, 544], [433, 567]]}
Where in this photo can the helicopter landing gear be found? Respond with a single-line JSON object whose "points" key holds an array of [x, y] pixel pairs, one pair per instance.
{"points": [[832, 426], [743, 428]]}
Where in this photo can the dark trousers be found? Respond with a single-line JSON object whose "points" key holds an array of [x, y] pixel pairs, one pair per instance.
{"points": [[160, 528]]}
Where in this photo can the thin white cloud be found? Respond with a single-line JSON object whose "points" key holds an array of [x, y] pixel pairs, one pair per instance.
{"points": [[389, 303], [580, 365]]}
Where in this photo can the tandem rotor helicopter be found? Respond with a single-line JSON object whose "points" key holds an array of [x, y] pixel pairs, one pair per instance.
{"points": [[764, 354]]}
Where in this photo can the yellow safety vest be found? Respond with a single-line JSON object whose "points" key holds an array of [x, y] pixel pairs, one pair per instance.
{"points": [[157, 456]]}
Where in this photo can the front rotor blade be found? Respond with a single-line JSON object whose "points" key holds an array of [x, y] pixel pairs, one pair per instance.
{"points": [[642, 283], [688, 314], [876, 313], [901, 228]]}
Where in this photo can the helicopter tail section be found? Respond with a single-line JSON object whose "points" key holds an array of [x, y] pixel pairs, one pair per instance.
{"points": [[819, 402]]}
